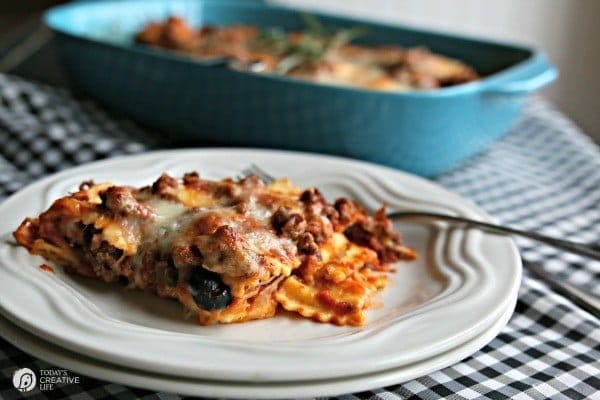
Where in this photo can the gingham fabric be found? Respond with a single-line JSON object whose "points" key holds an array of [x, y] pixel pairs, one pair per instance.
{"points": [[545, 176]]}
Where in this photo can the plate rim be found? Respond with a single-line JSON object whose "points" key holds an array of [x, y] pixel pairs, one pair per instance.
{"points": [[25, 340]]}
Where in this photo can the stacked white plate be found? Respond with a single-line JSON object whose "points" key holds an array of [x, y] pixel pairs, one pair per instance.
{"points": [[436, 311]]}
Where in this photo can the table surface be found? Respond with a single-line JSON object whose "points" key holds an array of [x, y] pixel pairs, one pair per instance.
{"points": [[544, 175]]}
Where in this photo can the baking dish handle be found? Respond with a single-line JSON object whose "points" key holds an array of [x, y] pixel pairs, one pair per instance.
{"points": [[528, 83]]}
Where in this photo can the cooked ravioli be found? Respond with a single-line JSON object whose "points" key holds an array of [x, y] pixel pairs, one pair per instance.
{"points": [[228, 251]]}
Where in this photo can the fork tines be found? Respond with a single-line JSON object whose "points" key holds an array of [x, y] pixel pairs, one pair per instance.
{"points": [[254, 169]]}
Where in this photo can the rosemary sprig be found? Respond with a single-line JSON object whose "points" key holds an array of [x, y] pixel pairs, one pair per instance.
{"points": [[313, 25], [315, 43]]}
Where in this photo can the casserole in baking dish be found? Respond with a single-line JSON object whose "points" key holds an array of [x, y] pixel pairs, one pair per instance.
{"points": [[202, 102]]}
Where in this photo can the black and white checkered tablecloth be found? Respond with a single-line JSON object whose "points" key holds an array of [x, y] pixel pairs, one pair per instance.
{"points": [[544, 176]]}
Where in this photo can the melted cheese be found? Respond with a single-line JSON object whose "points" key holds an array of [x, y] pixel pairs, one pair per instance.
{"points": [[171, 218], [255, 247]]}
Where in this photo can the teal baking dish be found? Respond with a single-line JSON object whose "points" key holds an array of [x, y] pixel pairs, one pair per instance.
{"points": [[191, 102]]}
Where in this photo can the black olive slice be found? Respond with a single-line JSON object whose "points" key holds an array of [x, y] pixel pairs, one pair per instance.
{"points": [[208, 290]]}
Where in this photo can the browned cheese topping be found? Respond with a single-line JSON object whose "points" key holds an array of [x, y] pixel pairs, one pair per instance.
{"points": [[326, 59]]}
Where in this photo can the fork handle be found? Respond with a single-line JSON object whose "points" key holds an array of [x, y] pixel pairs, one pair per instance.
{"points": [[583, 299], [587, 250]]}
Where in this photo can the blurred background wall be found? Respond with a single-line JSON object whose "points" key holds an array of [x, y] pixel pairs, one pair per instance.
{"points": [[568, 30]]}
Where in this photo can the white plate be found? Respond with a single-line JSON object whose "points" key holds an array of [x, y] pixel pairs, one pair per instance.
{"points": [[459, 286], [198, 387]]}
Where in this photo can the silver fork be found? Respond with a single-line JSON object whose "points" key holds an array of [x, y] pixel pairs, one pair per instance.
{"points": [[582, 298]]}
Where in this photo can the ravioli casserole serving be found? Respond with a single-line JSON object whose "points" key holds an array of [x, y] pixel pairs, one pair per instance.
{"points": [[228, 250]]}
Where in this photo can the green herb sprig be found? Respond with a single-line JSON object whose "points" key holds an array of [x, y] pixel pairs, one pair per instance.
{"points": [[312, 47]]}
